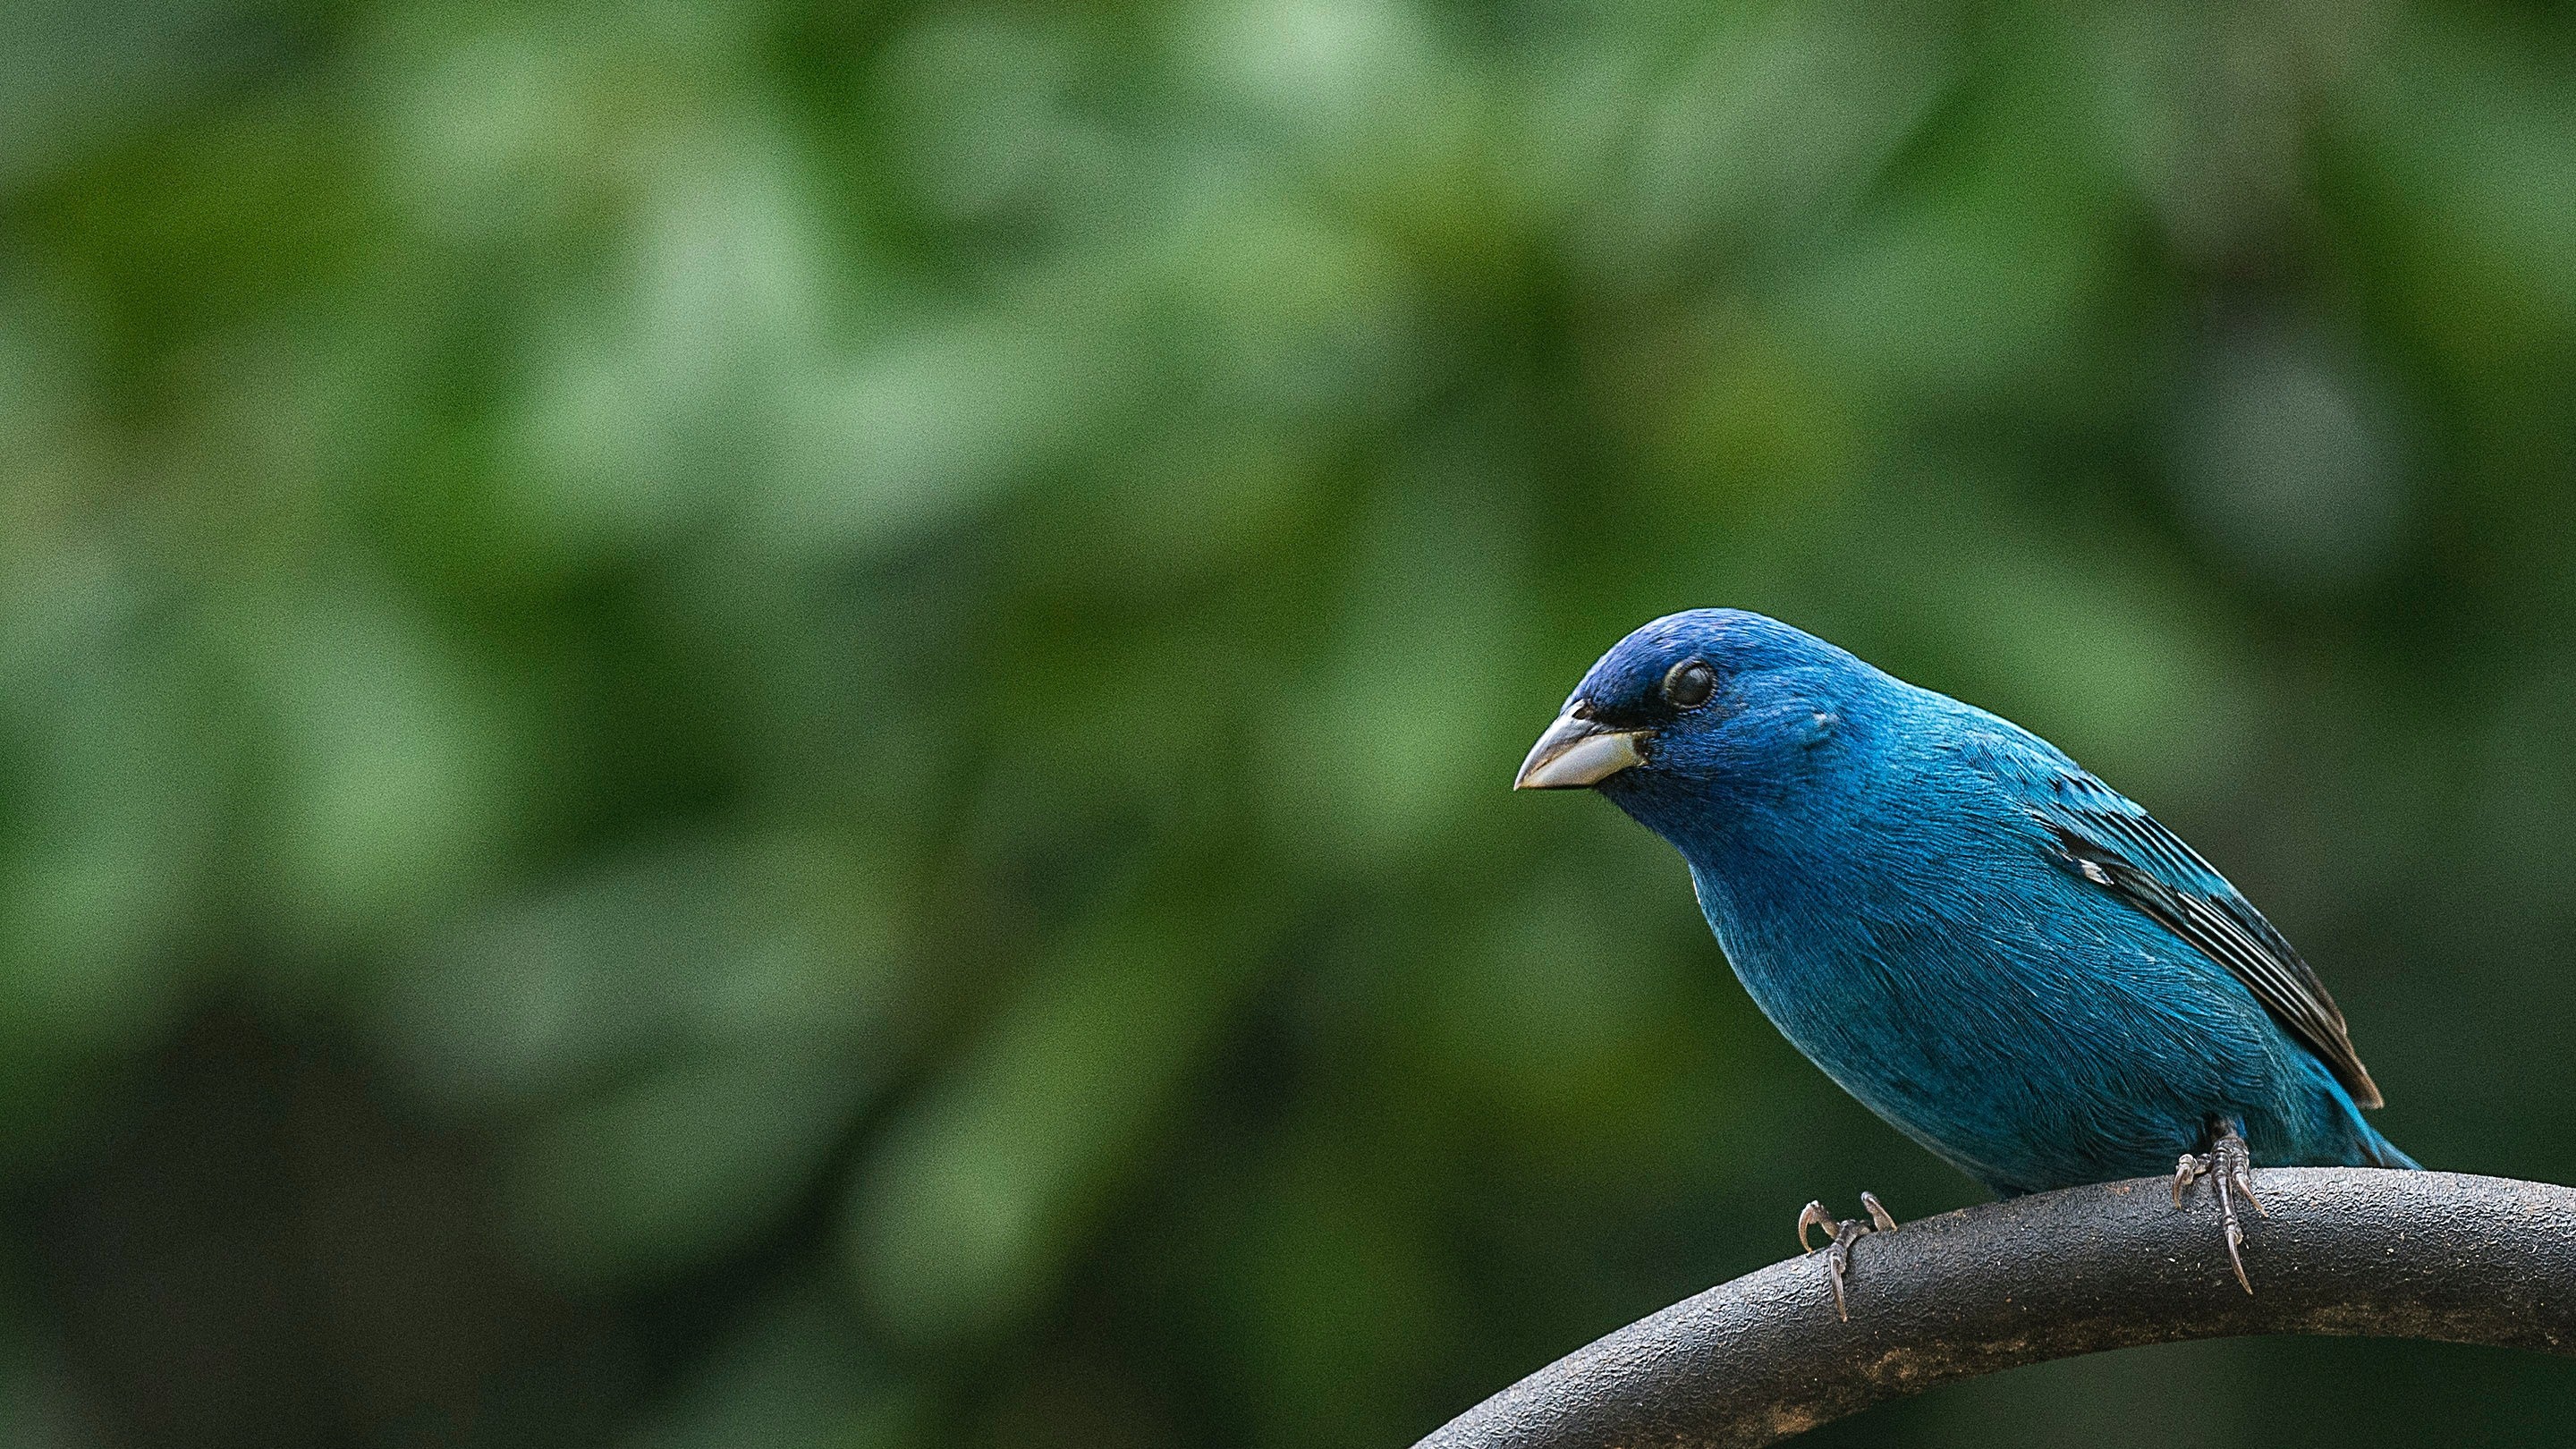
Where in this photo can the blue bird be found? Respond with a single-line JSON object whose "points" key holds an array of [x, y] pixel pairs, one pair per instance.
{"points": [[2005, 958]]}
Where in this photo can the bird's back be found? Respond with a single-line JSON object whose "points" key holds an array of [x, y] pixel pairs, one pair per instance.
{"points": [[1910, 917]]}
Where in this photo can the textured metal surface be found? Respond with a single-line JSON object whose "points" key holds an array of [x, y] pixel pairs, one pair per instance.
{"points": [[2347, 1251]]}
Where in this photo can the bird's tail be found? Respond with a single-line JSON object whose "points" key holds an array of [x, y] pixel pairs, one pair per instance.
{"points": [[2366, 1147], [2378, 1151]]}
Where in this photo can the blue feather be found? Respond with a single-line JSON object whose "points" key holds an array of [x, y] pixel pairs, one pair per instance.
{"points": [[1996, 952]]}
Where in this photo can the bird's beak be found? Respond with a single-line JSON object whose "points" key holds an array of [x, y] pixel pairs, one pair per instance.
{"points": [[1576, 752]]}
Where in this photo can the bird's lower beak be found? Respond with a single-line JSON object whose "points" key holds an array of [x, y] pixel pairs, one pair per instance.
{"points": [[1576, 752]]}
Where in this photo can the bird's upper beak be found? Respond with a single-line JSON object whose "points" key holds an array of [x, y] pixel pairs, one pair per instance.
{"points": [[1576, 752]]}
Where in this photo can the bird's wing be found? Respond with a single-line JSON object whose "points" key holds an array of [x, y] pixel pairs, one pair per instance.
{"points": [[2107, 839]]}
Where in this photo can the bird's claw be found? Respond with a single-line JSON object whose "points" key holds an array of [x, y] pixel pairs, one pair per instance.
{"points": [[2229, 1166], [1841, 1233], [1813, 1215]]}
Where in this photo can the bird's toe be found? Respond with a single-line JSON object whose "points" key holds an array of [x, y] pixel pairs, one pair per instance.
{"points": [[1841, 1233], [2229, 1166]]}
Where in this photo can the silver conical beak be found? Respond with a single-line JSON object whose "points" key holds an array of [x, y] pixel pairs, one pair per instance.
{"points": [[1576, 752]]}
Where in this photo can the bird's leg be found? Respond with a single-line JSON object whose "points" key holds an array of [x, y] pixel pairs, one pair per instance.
{"points": [[1842, 1233], [2229, 1166]]}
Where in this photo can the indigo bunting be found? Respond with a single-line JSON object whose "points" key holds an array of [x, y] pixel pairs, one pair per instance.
{"points": [[1994, 951]]}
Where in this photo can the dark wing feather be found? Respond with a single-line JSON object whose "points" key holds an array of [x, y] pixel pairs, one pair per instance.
{"points": [[2107, 839]]}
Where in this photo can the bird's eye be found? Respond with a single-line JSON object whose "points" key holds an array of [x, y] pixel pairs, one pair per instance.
{"points": [[1690, 684]]}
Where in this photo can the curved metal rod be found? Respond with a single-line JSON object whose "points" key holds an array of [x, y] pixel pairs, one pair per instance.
{"points": [[2350, 1251]]}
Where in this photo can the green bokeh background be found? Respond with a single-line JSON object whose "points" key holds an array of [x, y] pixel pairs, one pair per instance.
{"points": [[786, 723]]}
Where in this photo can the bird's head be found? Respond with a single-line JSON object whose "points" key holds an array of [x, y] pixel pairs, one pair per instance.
{"points": [[1707, 710]]}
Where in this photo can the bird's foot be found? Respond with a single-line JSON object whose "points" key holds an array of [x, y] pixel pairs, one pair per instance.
{"points": [[1842, 1233], [2229, 1166]]}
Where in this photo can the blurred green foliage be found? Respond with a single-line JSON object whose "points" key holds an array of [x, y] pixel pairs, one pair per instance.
{"points": [[786, 723]]}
